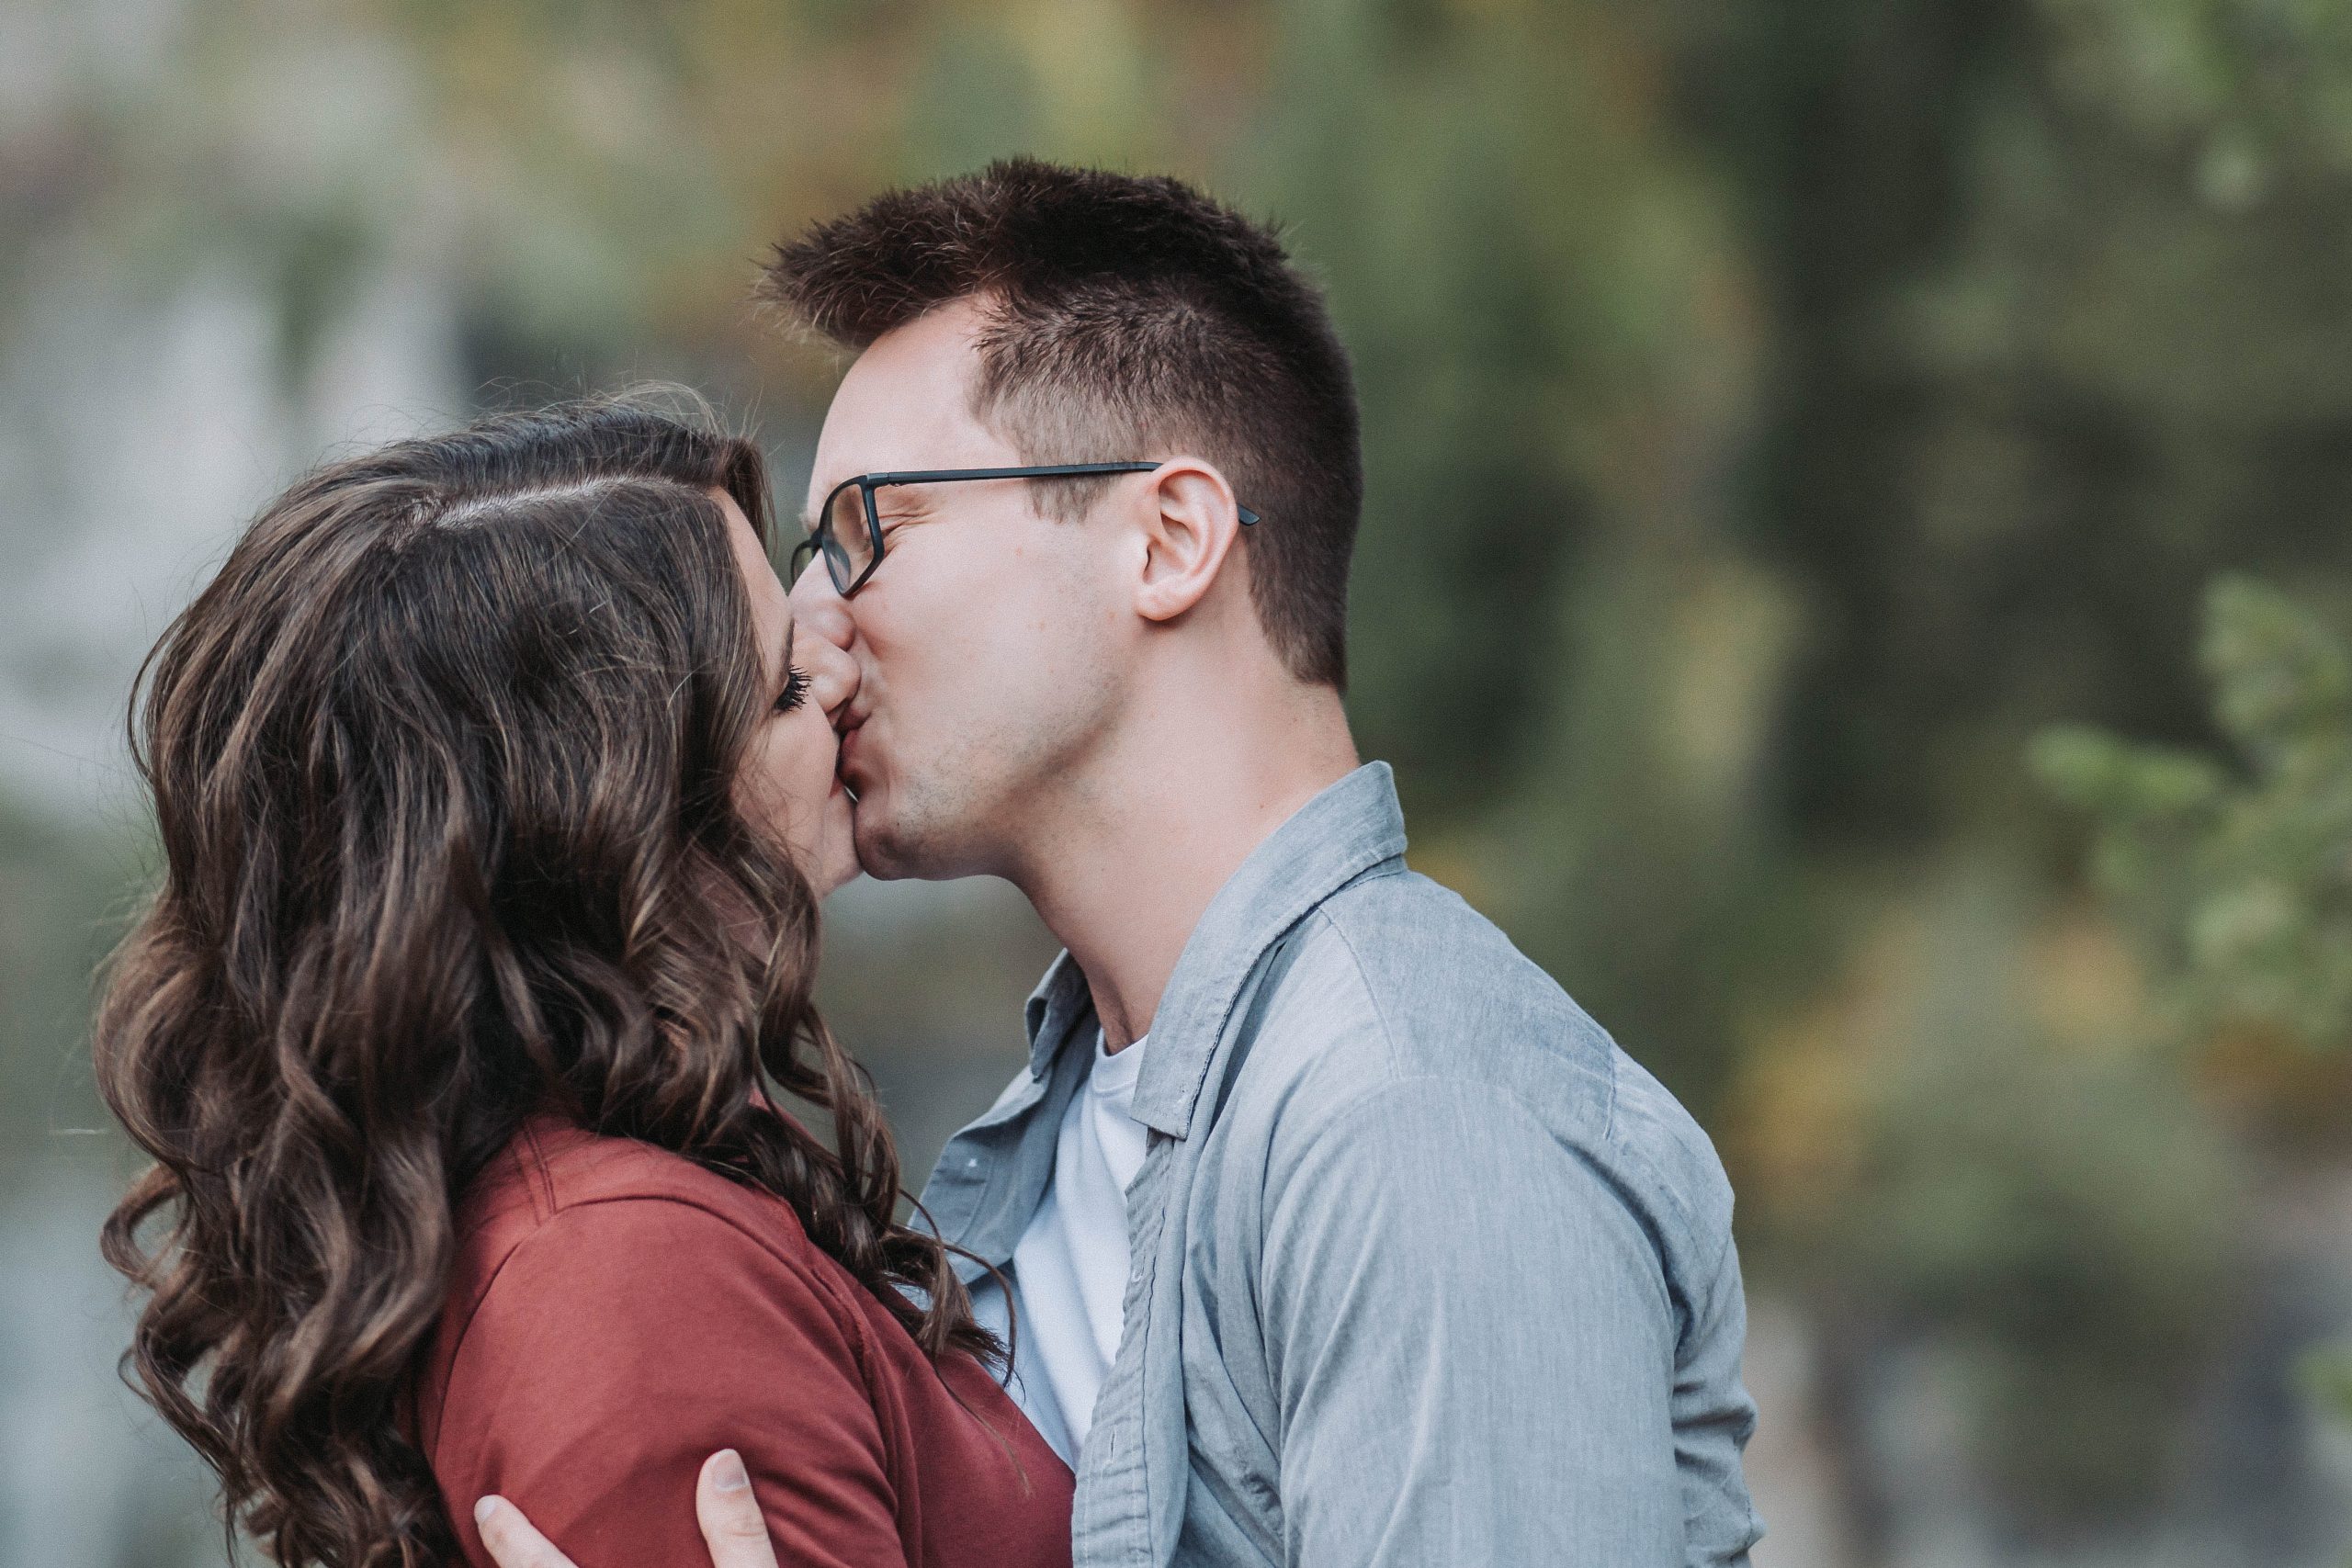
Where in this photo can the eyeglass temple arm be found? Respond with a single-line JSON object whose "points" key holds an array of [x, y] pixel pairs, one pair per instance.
{"points": [[1048, 472]]}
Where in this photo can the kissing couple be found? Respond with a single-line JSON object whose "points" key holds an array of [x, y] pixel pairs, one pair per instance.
{"points": [[508, 1195]]}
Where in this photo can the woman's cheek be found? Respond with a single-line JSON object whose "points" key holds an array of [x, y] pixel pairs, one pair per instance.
{"points": [[765, 797], [806, 759], [807, 754]]}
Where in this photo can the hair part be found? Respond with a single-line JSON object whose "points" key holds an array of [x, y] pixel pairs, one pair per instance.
{"points": [[442, 762], [1127, 316]]}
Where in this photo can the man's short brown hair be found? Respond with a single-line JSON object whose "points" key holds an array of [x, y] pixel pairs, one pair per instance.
{"points": [[1128, 316]]}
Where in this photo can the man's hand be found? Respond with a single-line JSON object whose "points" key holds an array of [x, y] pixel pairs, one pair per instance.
{"points": [[731, 1525]]}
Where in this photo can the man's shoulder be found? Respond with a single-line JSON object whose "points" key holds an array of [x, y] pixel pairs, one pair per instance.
{"points": [[1396, 981], [1397, 977]]}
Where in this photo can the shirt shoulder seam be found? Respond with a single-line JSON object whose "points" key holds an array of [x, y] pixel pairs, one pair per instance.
{"points": [[852, 1331], [1372, 997]]}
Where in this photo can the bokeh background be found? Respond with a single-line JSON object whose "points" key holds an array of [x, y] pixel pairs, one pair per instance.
{"points": [[1860, 528]]}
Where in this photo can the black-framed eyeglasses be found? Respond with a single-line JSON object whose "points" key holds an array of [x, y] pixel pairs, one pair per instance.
{"points": [[848, 533]]}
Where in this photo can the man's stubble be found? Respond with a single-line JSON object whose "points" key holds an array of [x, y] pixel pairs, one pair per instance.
{"points": [[984, 801]]}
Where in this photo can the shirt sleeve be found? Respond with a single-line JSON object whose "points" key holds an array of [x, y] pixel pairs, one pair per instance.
{"points": [[621, 1345], [1472, 1342]]}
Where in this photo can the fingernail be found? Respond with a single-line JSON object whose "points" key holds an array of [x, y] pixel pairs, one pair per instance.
{"points": [[727, 1471], [484, 1508]]}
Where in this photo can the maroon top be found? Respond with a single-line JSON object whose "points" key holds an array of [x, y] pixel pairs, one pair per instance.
{"points": [[618, 1313]]}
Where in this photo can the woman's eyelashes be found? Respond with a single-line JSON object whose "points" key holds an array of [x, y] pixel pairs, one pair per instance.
{"points": [[795, 690]]}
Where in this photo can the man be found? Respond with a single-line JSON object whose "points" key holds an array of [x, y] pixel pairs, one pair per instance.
{"points": [[1335, 1232]]}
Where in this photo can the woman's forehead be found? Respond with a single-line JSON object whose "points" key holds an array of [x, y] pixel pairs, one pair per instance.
{"points": [[770, 610]]}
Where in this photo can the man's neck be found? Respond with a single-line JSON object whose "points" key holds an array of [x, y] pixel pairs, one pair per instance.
{"points": [[1167, 817]]}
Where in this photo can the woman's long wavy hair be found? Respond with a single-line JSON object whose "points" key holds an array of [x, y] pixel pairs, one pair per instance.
{"points": [[443, 765]]}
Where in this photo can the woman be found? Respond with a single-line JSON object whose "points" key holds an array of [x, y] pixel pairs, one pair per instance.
{"points": [[495, 798]]}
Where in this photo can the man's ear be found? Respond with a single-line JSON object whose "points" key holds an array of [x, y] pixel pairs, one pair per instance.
{"points": [[1189, 531]]}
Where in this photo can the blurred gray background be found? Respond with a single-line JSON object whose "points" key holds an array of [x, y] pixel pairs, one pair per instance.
{"points": [[1854, 582]]}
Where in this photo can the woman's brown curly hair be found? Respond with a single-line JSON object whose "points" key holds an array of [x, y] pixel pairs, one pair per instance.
{"points": [[442, 763]]}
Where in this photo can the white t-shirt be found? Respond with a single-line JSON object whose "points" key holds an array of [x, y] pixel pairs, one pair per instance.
{"points": [[1070, 1268]]}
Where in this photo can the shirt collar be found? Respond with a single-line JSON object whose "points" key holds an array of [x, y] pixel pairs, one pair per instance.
{"points": [[1350, 828], [1059, 1004]]}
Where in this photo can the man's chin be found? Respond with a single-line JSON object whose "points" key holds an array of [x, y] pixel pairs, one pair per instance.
{"points": [[888, 852], [877, 855]]}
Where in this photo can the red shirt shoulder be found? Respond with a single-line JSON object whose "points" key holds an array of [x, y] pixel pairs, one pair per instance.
{"points": [[618, 1313]]}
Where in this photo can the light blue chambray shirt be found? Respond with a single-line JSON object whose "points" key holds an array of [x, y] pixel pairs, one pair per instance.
{"points": [[1426, 1269]]}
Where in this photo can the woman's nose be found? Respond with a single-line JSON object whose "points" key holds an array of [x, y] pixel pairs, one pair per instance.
{"points": [[831, 672]]}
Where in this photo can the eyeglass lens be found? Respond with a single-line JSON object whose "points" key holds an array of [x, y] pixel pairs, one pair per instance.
{"points": [[847, 541]]}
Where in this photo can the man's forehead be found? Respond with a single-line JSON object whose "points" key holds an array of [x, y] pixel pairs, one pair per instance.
{"points": [[906, 403]]}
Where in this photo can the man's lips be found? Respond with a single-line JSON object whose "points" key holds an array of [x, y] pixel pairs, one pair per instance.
{"points": [[845, 762]]}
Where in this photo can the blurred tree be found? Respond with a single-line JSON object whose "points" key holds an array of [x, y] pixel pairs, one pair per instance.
{"points": [[2237, 873], [2059, 334], [2040, 370], [2012, 1223], [61, 907], [1561, 644]]}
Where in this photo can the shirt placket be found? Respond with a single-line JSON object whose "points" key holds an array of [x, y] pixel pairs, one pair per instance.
{"points": [[1111, 1512]]}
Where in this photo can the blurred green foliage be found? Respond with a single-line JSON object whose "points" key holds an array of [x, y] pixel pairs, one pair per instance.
{"points": [[2237, 872], [64, 900]]}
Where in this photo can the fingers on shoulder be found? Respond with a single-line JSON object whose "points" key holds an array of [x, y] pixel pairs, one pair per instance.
{"points": [[732, 1525], [512, 1540]]}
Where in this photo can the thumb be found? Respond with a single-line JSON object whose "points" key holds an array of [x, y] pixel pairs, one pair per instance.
{"points": [[732, 1525]]}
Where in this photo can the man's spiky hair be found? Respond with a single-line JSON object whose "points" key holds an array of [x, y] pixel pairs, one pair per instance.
{"points": [[1126, 315]]}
